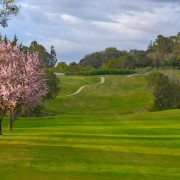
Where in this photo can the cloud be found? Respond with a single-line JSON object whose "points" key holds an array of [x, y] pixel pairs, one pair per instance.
{"points": [[77, 28]]}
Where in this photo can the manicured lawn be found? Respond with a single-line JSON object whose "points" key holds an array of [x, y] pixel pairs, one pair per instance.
{"points": [[102, 133]]}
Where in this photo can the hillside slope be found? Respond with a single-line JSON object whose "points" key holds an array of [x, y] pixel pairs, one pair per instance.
{"points": [[118, 95]]}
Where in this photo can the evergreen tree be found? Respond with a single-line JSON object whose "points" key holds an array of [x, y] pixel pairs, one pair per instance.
{"points": [[52, 82], [1, 38], [5, 39], [14, 43], [53, 59]]}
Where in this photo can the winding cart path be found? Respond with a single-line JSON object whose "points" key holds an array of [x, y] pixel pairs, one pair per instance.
{"points": [[82, 87]]}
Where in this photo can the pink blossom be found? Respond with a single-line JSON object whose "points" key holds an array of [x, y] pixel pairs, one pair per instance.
{"points": [[21, 78]]}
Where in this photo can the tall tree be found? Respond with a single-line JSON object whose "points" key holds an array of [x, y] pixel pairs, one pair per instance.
{"points": [[14, 43], [7, 9], [163, 47], [43, 55], [5, 39], [52, 82], [53, 58]]}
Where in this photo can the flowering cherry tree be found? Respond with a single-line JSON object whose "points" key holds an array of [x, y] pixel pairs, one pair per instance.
{"points": [[22, 83]]}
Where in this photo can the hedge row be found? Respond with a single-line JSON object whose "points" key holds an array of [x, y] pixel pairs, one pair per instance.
{"points": [[106, 71]]}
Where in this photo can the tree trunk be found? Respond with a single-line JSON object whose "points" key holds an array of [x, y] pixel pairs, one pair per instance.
{"points": [[11, 120], [3, 111], [1, 127], [10, 125], [13, 115]]}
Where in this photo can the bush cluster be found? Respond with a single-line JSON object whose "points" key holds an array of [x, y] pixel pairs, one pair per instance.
{"points": [[165, 90]]}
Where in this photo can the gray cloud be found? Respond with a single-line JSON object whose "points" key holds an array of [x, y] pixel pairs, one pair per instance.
{"points": [[77, 27]]}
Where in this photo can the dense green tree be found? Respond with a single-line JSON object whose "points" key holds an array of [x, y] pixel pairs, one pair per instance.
{"points": [[175, 44], [163, 50], [97, 59], [154, 59], [110, 53], [94, 60], [52, 82], [74, 68], [61, 67], [174, 62], [48, 60], [140, 58], [115, 63], [150, 47], [43, 55]]}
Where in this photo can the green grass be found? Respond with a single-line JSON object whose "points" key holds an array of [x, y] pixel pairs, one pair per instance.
{"points": [[119, 95], [102, 133], [69, 84]]}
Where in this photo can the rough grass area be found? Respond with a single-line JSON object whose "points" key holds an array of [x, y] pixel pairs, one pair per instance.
{"points": [[103, 133]]}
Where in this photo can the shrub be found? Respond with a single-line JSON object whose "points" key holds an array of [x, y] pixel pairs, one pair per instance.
{"points": [[166, 92]]}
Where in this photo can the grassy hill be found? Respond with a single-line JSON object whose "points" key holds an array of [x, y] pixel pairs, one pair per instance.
{"points": [[118, 95], [105, 132]]}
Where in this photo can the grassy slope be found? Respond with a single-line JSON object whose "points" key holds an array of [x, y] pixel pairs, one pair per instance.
{"points": [[119, 95], [95, 136]]}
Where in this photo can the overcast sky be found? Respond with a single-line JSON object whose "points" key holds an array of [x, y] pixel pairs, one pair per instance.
{"points": [[80, 27]]}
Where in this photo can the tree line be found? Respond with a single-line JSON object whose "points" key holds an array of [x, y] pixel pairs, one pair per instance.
{"points": [[163, 53]]}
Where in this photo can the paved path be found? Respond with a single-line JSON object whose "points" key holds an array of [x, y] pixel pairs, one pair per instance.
{"points": [[101, 82], [81, 88], [136, 75]]}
